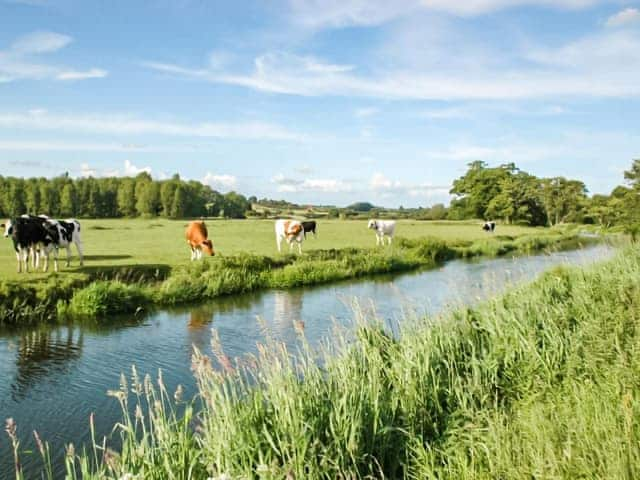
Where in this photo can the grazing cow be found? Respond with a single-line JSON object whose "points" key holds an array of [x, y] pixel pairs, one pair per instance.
{"points": [[29, 234], [291, 231], [489, 227], [310, 226], [383, 228], [68, 233], [197, 238]]}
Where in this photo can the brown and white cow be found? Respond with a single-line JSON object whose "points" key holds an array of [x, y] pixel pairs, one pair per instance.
{"points": [[196, 236], [291, 231]]}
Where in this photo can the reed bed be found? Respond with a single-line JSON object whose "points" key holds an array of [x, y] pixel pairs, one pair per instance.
{"points": [[541, 382]]}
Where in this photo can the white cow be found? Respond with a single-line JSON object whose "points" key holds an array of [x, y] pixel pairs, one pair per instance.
{"points": [[291, 231], [383, 228]]}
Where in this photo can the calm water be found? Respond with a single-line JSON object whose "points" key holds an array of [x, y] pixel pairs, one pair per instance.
{"points": [[52, 378]]}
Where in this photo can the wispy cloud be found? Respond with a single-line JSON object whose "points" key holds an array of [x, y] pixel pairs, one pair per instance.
{"points": [[628, 16], [222, 182], [22, 60], [342, 13], [128, 125], [325, 185], [387, 187], [601, 65], [82, 75]]}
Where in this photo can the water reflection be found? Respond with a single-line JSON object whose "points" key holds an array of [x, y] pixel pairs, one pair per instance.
{"points": [[287, 309], [42, 354]]}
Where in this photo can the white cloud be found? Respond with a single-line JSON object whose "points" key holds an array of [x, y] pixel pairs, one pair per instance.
{"points": [[80, 75], [389, 188], [87, 171], [131, 170], [40, 42], [341, 13], [603, 65], [128, 125], [21, 60], [628, 16], [324, 185], [220, 182]]}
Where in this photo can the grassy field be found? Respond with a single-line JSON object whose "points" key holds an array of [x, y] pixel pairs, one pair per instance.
{"points": [[161, 242], [136, 265], [540, 383]]}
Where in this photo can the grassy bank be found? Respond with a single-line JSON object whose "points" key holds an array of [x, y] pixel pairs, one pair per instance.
{"points": [[542, 382], [98, 291]]}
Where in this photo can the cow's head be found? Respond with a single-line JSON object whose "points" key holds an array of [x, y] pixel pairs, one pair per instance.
{"points": [[294, 230], [373, 224], [8, 228], [207, 247]]}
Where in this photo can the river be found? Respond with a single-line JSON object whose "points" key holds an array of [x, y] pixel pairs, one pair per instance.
{"points": [[53, 377]]}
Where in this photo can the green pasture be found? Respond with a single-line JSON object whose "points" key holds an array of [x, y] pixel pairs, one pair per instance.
{"points": [[135, 242]]}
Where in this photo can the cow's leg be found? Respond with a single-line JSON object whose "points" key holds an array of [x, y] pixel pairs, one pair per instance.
{"points": [[55, 258], [25, 259], [19, 259], [300, 248], [68, 248], [389, 238], [279, 243], [80, 249], [193, 254]]}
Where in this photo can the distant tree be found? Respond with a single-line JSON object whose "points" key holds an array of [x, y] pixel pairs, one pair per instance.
{"points": [[563, 199], [127, 198], [179, 206], [68, 201], [167, 192], [361, 207], [235, 205]]}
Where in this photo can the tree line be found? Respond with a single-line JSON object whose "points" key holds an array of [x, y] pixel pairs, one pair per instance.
{"points": [[514, 196], [113, 197]]}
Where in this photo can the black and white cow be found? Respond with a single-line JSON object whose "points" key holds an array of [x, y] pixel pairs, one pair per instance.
{"points": [[29, 234], [310, 227], [489, 227], [68, 233]]}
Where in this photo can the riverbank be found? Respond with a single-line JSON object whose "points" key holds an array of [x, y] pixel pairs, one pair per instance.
{"points": [[540, 382], [103, 291]]}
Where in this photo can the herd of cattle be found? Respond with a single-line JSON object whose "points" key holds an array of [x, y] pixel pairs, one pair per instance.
{"points": [[36, 237], [293, 232]]}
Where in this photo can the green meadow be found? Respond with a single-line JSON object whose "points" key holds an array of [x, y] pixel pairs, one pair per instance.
{"points": [[135, 242], [135, 265]]}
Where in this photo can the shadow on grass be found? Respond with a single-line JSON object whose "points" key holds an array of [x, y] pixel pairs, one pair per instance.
{"points": [[104, 257]]}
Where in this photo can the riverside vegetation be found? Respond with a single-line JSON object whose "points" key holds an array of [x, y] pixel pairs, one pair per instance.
{"points": [[141, 264], [541, 382]]}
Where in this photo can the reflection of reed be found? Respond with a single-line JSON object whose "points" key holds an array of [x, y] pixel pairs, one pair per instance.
{"points": [[42, 352], [287, 309]]}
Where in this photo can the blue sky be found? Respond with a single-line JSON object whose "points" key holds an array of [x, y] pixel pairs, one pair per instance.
{"points": [[320, 101]]}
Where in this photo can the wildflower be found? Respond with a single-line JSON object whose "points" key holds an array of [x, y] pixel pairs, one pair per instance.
{"points": [[39, 443], [10, 428], [71, 451], [179, 393]]}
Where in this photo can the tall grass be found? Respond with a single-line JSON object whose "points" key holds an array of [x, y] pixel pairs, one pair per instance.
{"points": [[244, 273], [542, 382]]}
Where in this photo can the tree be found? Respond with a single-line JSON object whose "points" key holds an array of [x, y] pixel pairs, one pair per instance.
{"points": [[167, 192], [68, 200], [127, 198], [147, 197], [179, 204], [563, 199], [235, 205]]}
